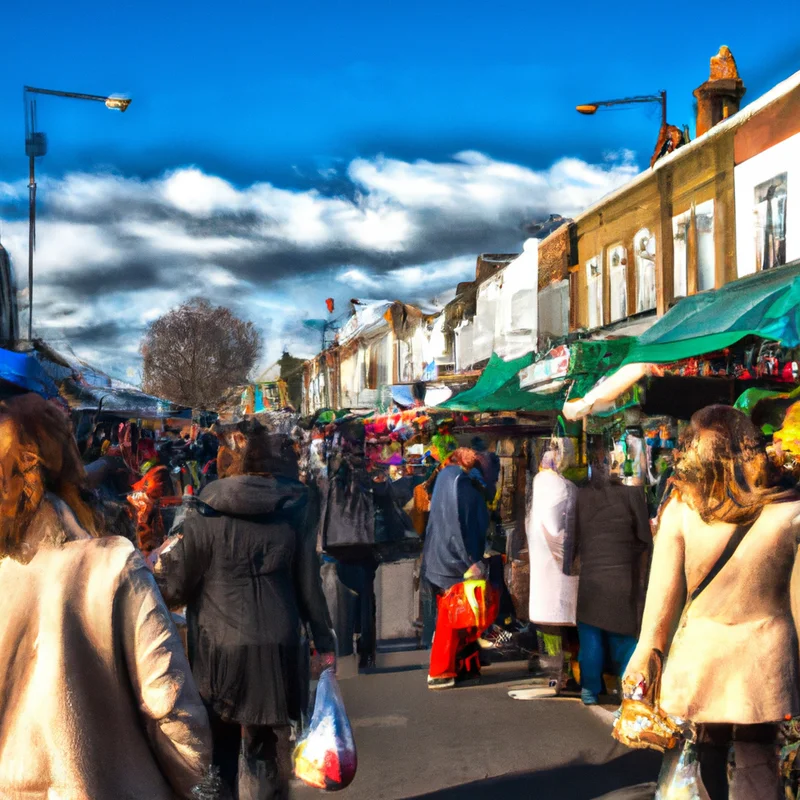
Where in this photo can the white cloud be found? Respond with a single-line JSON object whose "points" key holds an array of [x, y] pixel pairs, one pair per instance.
{"points": [[115, 252]]}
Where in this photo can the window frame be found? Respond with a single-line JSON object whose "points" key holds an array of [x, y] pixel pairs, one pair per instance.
{"points": [[611, 271], [592, 276]]}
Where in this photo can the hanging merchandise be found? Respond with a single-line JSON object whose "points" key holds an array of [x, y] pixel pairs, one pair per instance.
{"points": [[325, 757], [442, 444]]}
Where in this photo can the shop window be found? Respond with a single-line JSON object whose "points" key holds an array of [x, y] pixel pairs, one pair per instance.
{"points": [[644, 249], [594, 284], [704, 224], [618, 282], [770, 222]]}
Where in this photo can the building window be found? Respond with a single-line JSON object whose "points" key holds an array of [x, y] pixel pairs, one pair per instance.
{"points": [[594, 283], [770, 222], [680, 236], [618, 282], [644, 249], [704, 224], [693, 238]]}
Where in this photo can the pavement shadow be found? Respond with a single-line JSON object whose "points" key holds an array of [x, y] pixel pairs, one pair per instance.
{"points": [[631, 775], [393, 670]]}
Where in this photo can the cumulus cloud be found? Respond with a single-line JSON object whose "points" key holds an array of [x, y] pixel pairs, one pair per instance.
{"points": [[113, 252]]}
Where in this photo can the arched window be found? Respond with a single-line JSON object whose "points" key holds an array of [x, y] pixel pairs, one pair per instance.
{"points": [[618, 282], [644, 251], [594, 285]]}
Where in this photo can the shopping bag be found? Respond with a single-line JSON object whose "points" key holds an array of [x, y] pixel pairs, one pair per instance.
{"points": [[679, 778], [325, 756], [470, 604]]}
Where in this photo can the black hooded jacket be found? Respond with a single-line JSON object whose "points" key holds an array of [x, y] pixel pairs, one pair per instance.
{"points": [[248, 572]]}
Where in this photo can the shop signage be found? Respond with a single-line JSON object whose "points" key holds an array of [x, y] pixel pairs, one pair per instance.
{"points": [[554, 366]]}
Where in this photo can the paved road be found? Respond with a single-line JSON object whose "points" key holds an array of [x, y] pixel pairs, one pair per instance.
{"points": [[477, 743]]}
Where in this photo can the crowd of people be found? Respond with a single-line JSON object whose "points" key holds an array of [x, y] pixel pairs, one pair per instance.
{"points": [[721, 614], [100, 697]]}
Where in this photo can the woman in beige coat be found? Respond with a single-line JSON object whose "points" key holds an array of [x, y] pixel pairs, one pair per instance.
{"points": [[732, 654], [97, 700]]}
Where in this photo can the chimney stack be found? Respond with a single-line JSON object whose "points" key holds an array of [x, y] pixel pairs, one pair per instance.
{"points": [[720, 96]]}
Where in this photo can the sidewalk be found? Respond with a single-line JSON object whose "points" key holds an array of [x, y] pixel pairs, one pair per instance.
{"points": [[476, 742]]}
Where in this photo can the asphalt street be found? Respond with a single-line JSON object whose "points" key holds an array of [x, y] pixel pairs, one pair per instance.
{"points": [[476, 742]]}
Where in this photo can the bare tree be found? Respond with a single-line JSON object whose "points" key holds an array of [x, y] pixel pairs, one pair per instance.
{"points": [[197, 352]]}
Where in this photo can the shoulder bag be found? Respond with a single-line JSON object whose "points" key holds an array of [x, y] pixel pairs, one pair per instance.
{"points": [[641, 723]]}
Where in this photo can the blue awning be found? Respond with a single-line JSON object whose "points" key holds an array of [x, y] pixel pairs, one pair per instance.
{"points": [[23, 371]]}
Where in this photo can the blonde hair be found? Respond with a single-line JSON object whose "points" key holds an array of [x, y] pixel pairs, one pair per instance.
{"points": [[38, 454], [722, 469]]}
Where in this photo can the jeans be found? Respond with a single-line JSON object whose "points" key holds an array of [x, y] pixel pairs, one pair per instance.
{"points": [[248, 760], [359, 577], [595, 642]]}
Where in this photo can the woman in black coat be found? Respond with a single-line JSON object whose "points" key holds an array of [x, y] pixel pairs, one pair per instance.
{"points": [[248, 571], [613, 544]]}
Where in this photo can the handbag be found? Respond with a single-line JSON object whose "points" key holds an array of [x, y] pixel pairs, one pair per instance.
{"points": [[641, 723]]}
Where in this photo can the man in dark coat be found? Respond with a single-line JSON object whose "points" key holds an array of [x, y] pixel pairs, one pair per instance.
{"points": [[249, 574], [455, 542], [613, 545]]}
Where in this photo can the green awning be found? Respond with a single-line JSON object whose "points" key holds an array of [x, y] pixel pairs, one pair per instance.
{"points": [[498, 388], [766, 305], [592, 359]]}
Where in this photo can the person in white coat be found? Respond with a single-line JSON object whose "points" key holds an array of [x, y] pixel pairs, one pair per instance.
{"points": [[551, 543]]}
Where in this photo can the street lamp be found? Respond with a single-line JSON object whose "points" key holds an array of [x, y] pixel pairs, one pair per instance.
{"points": [[661, 97], [36, 146]]}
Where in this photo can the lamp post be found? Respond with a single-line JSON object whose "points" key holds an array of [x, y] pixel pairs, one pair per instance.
{"points": [[661, 97], [36, 146]]}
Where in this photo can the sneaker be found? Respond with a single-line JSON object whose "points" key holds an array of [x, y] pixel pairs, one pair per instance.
{"points": [[589, 698], [495, 638], [441, 683]]}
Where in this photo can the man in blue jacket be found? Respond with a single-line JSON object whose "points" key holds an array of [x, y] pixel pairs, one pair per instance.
{"points": [[455, 542]]}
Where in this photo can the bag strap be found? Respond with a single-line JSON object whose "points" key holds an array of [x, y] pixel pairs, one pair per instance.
{"points": [[725, 557]]}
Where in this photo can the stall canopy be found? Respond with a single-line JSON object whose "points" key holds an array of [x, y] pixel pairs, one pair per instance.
{"points": [[498, 388], [85, 388], [24, 372], [766, 304]]}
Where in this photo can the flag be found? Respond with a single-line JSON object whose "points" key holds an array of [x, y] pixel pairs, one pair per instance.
{"points": [[329, 303]]}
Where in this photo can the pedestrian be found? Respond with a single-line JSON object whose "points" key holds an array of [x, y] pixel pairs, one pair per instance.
{"points": [[613, 543], [247, 570], [96, 695], [455, 543], [551, 548], [727, 541]]}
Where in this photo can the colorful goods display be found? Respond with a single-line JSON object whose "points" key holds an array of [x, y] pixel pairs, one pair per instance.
{"points": [[325, 756]]}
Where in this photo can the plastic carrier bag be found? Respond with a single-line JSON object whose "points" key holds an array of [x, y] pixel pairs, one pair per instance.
{"points": [[325, 756], [680, 775]]}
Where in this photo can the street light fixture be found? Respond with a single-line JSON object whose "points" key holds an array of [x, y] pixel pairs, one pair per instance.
{"points": [[661, 97], [35, 147]]}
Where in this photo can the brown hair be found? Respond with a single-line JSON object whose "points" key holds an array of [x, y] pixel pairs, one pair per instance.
{"points": [[249, 448], [38, 454], [465, 457], [722, 469]]}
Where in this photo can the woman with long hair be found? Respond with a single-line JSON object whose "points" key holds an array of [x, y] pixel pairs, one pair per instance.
{"points": [[96, 695], [722, 604]]}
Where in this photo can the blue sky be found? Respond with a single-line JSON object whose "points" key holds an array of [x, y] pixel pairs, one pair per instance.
{"points": [[353, 108]]}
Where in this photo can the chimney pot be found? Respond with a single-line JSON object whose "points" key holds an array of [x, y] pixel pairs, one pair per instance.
{"points": [[721, 95]]}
